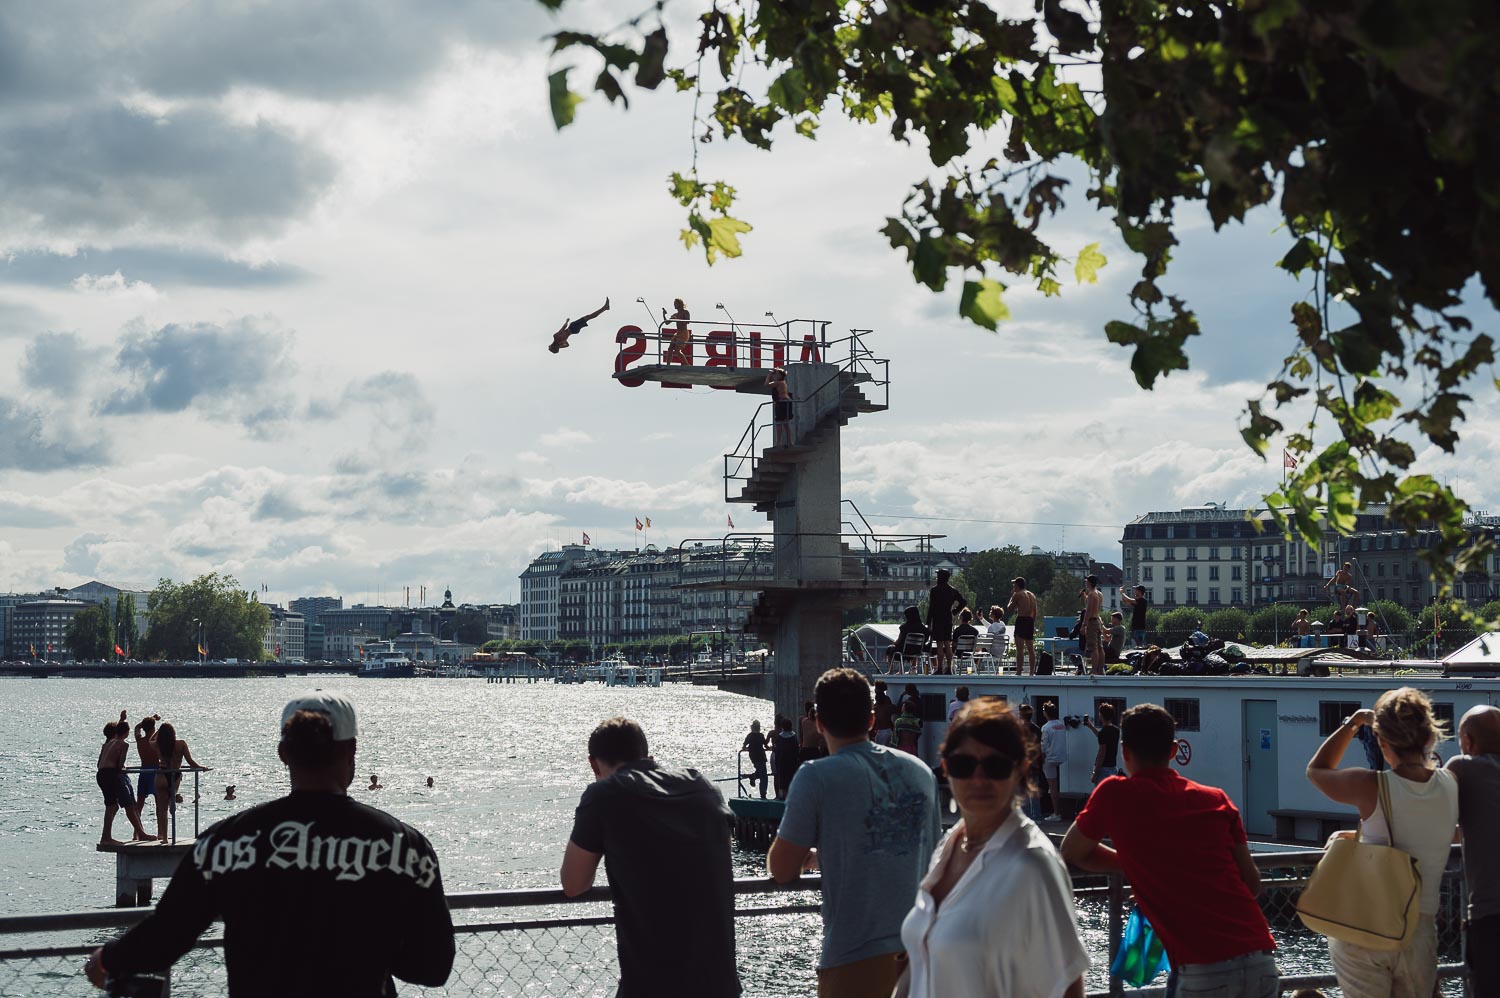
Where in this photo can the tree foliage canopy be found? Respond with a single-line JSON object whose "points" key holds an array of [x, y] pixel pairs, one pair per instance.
{"points": [[233, 622], [1367, 124], [89, 633]]}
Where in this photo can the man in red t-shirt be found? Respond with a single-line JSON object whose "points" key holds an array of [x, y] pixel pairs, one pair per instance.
{"points": [[1182, 848]]}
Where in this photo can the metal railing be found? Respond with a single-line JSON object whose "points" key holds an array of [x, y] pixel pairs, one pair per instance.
{"points": [[541, 942], [757, 557], [870, 373], [172, 793]]}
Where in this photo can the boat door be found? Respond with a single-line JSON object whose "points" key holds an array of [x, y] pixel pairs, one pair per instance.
{"points": [[1262, 739]]}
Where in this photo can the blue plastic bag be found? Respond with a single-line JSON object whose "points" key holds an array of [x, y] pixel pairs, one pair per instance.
{"points": [[1141, 956]]}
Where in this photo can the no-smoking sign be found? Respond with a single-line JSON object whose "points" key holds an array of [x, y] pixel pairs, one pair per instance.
{"points": [[1184, 752]]}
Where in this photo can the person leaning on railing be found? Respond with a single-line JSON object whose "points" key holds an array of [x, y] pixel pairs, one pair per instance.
{"points": [[1424, 802], [319, 894]]}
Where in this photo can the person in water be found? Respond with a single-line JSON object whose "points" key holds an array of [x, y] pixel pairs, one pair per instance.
{"points": [[570, 329], [375, 783]]}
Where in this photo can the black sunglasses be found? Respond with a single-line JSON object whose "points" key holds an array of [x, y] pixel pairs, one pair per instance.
{"points": [[961, 766]]}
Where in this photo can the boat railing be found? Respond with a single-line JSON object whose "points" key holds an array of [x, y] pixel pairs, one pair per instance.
{"points": [[539, 941]]}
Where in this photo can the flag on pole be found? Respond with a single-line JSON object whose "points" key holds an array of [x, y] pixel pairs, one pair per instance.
{"points": [[119, 651], [33, 651], [648, 523], [638, 524], [202, 650], [585, 537], [730, 519], [1287, 461]]}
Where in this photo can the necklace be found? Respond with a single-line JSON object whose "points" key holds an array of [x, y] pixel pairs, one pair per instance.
{"points": [[969, 845]]}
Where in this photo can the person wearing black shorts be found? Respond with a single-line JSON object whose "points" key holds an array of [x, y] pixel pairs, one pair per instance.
{"points": [[568, 329], [781, 407], [1023, 602], [943, 601]]}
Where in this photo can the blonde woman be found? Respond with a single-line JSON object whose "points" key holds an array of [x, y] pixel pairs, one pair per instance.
{"points": [[1424, 813]]}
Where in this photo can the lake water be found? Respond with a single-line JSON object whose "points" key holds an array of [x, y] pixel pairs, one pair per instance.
{"points": [[509, 762]]}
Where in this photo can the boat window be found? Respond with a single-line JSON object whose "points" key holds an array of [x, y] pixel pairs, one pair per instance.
{"points": [[1331, 714], [1443, 714], [1118, 703], [1184, 713]]}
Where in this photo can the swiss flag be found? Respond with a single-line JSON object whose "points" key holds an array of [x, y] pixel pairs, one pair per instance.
{"points": [[119, 651]]}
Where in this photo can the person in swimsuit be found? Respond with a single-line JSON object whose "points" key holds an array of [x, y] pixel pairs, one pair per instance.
{"points": [[781, 407], [174, 752], [1023, 603], [677, 349], [568, 329], [114, 784], [1342, 584], [375, 783], [145, 747], [754, 746]]}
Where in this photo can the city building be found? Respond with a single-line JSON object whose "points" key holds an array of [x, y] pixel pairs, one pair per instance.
{"points": [[541, 588], [311, 607], [8, 602], [374, 620], [285, 639], [38, 628]]}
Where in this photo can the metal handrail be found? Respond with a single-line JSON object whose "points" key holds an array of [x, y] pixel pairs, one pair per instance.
{"points": [[172, 810]]}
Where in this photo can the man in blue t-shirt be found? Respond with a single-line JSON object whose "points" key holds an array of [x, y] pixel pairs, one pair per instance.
{"points": [[871, 815]]}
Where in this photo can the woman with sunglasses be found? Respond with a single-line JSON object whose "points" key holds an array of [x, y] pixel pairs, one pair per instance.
{"points": [[994, 916]]}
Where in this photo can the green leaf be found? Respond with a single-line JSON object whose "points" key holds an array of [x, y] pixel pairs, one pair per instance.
{"points": [[982, 304], [1049, 287], [1302, 254], [650, 71], [562, 99], [1086, 267], [807, 127], [724, 237]]}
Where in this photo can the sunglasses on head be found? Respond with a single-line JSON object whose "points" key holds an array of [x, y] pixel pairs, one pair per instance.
{"points": [[962, 766]]}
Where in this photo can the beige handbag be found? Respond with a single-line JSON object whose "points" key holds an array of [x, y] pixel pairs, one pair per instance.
{"points": [[1364, 894]]}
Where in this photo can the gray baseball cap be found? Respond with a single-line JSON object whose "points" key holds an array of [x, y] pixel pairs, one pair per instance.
{"points": [[339, 710]]}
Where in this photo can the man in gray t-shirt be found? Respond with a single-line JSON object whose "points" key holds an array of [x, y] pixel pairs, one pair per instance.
{"points": [[1478, 775], [871, 813]]}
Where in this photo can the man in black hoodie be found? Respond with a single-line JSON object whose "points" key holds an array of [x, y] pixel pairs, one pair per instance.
{"points": [[319, 894]]}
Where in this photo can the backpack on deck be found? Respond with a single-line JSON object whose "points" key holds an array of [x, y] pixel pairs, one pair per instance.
{"points": [[1044, 664]]}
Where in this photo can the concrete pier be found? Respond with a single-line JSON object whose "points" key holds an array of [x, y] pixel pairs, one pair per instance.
{"points": [[139, 863]]}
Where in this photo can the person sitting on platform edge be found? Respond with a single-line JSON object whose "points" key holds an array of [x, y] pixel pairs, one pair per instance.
{"points": [[665, 837], [1183, 849], [871, 815], [319, 894]]}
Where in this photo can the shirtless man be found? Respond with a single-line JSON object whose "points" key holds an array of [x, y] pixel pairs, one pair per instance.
{"points": [[781, 407], [1093, 604], [943, 601], [567, 329], [1023, 604], [678, 348], [145, 747], [1342, 583], [113, 782]]}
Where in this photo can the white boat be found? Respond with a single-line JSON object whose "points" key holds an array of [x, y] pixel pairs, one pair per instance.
{"points": [[383, 661], [1250, 735]]}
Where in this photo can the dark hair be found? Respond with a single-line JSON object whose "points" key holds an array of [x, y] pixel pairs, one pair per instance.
{"points": [[943, 575], [148, 725], [844, 704], [306, 740], [166, 741], [1149, 732], [783, 723], [111, 729], [962, 693], [1049, 710], [1107, 713], [1025, 708], [989, 721], [965, 615], [913, 615], [618, 740], [1019, 582], [807, 709]]}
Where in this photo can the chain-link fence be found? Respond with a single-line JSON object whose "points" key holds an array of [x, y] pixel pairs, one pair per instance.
{"points": [[537, 943]]}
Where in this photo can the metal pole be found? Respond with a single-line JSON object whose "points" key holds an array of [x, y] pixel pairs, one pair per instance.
{"points": [[1116, 926]]}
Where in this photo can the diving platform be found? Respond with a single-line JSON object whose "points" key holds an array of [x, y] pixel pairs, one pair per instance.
{"points": [[138, 863]]}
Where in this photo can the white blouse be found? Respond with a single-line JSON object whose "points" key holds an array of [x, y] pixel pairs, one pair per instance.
{"points": [[1007, 928]]}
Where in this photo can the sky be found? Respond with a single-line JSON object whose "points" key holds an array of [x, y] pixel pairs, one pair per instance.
{"points": [[277, 281]]}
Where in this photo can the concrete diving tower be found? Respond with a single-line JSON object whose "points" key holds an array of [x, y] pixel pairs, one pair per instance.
{"points": [[821, 545]]}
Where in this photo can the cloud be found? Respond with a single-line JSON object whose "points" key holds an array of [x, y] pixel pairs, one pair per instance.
{"points": [[17, 319], [277, 505], [114, 286], [402, 415], [110, 174], [235, 371], [59, 363], [564, 438], [28, 512], [154, 265], [29, 441]]}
